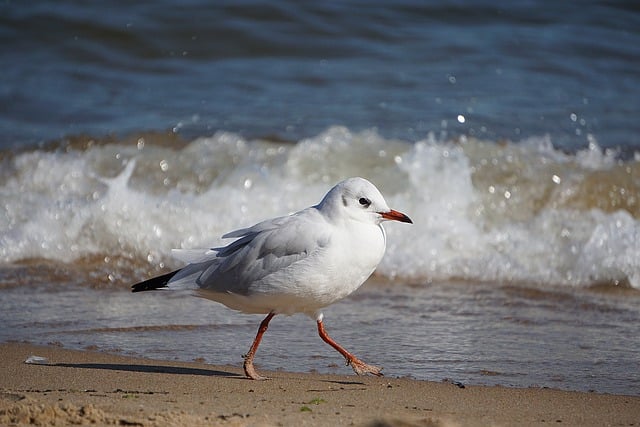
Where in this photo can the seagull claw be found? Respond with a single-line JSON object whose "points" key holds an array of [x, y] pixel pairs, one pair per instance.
{"points": [[250, 371], [361, 368]]}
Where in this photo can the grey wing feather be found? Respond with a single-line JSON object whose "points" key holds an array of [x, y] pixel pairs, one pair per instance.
{"points": [[259, 251]]}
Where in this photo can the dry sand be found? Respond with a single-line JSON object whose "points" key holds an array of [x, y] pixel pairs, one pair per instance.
{"points": [[84, 387]]}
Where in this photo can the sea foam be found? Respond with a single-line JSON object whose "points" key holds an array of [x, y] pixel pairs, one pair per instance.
{"points": [[482, 210]]}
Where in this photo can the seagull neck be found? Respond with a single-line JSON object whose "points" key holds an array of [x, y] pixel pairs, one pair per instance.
{"points": [[328, 212]]}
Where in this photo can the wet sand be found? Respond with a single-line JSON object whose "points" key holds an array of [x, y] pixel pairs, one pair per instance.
{"points": [[85, 387]]}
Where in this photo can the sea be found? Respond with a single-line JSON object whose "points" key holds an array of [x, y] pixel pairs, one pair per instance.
{"points": [[508, 132]]}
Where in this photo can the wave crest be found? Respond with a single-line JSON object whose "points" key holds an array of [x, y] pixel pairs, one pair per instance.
{"points": [[483, 210]]}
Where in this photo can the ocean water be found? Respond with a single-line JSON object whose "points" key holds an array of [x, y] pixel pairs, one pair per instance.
{"points": [[506, 132]]}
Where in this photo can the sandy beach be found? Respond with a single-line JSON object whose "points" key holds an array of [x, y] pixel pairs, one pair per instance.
{"points": [[86, 387]]}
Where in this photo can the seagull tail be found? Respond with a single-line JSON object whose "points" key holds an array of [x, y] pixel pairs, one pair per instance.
{"points": [[154, 283]]}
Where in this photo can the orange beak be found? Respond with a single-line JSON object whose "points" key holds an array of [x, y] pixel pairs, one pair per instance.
{"points": [[396, 216]]}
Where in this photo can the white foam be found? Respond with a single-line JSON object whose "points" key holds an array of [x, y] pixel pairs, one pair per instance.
{"points": [[481, 210]]}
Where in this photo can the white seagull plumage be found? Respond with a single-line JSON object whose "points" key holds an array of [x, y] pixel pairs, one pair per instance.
{"points": [[298, 263]]}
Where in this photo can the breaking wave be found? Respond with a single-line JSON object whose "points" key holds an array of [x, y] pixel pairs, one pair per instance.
{"points": [[483, 210]]}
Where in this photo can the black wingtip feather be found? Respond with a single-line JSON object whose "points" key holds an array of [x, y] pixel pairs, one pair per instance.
{"points": [[153, 283]]}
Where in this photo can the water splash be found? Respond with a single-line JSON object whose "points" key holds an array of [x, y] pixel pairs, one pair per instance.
{"points": [[483, 210]]}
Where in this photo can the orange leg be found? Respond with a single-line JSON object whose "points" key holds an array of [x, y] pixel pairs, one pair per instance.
{"points": [[248, 358], [359, 367]]}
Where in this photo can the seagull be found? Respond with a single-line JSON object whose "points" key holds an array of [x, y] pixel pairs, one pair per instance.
{"points": [[299, 263]]}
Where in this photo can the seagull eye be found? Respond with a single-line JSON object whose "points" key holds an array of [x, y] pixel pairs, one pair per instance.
{"points": [[364, 202]]}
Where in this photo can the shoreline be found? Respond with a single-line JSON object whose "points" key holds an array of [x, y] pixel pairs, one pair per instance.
{"points": [[86, 387]]}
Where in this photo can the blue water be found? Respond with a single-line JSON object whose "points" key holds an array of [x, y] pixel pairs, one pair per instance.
{"points": [[291, 69], [507, 132]]}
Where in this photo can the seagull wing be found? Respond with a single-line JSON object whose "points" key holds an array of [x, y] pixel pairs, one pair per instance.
{"points": [[259, 251]]}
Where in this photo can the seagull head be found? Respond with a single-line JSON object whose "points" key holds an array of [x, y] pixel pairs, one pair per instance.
{"points": [[360, 200]]}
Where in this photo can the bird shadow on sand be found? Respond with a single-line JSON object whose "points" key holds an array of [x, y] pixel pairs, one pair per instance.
{"points": [[157, 369]]}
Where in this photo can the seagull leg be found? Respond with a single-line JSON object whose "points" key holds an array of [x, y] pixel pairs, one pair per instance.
{"points": [[359, 367], [248, 358]]}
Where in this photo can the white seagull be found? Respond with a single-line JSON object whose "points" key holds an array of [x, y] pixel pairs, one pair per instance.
{"points": [[298, 263]]}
